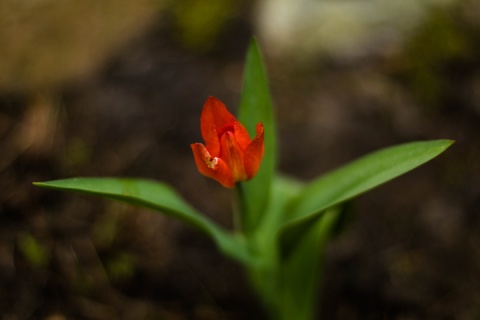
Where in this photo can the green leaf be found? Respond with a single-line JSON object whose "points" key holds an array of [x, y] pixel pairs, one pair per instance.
{"points": [[300, 274], [355, 178], [153, 195], [256, 107], [284, 190], [289, 289], [263, 242]]}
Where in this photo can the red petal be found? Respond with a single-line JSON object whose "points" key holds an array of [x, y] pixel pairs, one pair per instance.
{"points": [[232, 154], [212, 141], [241, 135], [217, 170], [214, 117], [254, 153]]}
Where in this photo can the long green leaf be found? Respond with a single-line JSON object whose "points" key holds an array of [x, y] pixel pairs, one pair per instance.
{"points": [[289, 289], [256, 107], [284, 190], [153, 195], [300, 273], [355, 178], [263, 242]]}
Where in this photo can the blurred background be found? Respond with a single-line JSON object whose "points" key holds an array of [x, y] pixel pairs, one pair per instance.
{"points": [[115, 88]]}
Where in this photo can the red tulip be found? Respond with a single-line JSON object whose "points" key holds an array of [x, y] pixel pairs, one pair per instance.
{"points": [[229, 155]]}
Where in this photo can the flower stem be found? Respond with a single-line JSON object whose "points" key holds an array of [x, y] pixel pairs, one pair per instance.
{"points": [[238, 208]]}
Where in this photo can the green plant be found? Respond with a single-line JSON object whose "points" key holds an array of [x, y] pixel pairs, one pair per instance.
{"points": [[284, 224]]}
